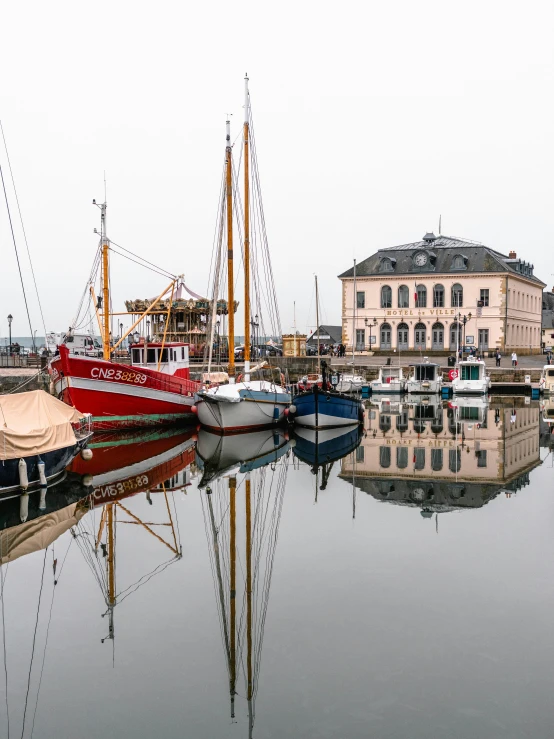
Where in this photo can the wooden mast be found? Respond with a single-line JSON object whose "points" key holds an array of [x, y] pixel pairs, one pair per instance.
{"points": [[105, 282], [230, 276], [246, 232], [233, 593], [355, 305], [317, 321]]}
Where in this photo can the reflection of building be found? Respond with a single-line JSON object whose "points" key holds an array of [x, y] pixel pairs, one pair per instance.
{"points": [[441, 458], [414, 297], [188, 317]]}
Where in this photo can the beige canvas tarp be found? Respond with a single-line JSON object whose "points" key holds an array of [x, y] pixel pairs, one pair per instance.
{"points": [[34, 423], [38, 534]]}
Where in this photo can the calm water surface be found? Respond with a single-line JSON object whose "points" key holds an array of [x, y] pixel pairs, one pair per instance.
{"points": [[393, 583]]}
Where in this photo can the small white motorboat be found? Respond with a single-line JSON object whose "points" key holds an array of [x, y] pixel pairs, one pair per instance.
{"points": [[390, 380], [547, 379], [471, 378], [426, 378], [349, 383]]}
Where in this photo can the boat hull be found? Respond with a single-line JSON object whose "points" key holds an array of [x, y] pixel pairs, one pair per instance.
{"points": [[326, 445], [224, 417], [387, 387], [320, 409], [121, 397], [425, 387]]}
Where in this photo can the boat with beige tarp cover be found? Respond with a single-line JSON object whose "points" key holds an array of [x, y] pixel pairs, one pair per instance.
{"points": [[39, 436]]}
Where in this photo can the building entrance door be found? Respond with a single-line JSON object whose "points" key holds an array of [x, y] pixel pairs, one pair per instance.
{"points": [[385, 336], [403, 337], [483, 337], [438, 337], [419, 336]]}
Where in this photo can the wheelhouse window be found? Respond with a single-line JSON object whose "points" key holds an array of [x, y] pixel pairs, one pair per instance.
{"points": [[457, 297], [470, 372], [438, 296], [386, 297], [403, 297], [360, 299], [151, 356], [421, 296], [137, 356]]}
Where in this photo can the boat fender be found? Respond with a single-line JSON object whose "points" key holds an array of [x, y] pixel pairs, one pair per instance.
{"points": [[86, 454], [292, 408], [42, 501], [276, 414], [86, 480], [194, 409], [292, 443], [24, 507], [23, 479], [41, 473], [287, 411]]}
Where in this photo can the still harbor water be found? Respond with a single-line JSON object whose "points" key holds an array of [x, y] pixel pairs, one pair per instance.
{"points": [[388, 582]]}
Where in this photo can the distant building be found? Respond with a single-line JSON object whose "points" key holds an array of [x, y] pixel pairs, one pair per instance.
{"points": [[415, 296], [294, 345], [548, 319], [327, 335]]}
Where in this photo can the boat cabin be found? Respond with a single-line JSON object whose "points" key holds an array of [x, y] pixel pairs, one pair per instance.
{"points": [[547, 379], [426, 372], [174, 357], [471, 370], [390, 374]]}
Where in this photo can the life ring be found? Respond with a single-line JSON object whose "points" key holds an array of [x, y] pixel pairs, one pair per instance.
{"points": [[453, 374]]}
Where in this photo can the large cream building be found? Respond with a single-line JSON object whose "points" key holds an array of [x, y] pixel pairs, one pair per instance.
{"points": [[414, 297]]}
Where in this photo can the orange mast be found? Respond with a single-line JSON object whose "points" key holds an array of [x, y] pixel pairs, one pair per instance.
{"points": [[230, 277], [246, 233]]}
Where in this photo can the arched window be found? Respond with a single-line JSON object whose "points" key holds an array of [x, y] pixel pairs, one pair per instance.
{"points": [[454, 460], [421, 296], [386, 297], [384, 456], [438, 296], [402, 421], [436, 460], [437, 336], [401, 457], [403, 297], [403, 332], [419, 336], [458, 262], [385, 336], [457, 297]]}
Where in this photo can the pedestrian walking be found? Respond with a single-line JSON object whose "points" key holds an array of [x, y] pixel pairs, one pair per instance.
{"points": [[498, 357], [514, 359]]}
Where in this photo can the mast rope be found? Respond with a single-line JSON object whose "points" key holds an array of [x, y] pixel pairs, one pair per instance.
{"points": [[17, 255], [157, 271], [165, 272], [34, 643], [23, 228]]}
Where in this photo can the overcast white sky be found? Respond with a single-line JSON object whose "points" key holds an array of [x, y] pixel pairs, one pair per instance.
{"points": [[372, 119]]}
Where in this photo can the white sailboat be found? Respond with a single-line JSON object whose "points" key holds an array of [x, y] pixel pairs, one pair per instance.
{"points": [[249, 404]]}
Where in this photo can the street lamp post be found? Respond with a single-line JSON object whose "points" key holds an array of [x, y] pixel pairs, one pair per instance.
{"points": [[147, 330], [463, 320], [10, 319], [120, 330], [371, 325]]}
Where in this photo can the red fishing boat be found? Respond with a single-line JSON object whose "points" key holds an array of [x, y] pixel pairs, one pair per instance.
{"points": [[156, 390], [122, 396]]}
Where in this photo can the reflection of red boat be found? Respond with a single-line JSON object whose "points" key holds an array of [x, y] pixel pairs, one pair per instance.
{"points": [[122, 396], [123, 465], [309, 381]]}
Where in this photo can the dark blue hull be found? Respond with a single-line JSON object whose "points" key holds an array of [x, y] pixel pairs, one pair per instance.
{"points": [[321, 447], [55, 463], [321, 409]]}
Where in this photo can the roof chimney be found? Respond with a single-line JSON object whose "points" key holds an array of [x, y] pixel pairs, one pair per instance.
{"points": [[512, 255], [429, 237]]}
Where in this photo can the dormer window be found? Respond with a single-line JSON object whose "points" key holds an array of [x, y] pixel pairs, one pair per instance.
{"points": [[387, 265], [459, 262]]}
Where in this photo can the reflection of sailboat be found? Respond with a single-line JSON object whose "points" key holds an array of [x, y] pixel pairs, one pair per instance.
{"points": [[245, 504], [217, 454]]}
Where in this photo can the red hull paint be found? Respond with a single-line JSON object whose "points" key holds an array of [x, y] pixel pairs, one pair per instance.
{"points": [[119, 396]]}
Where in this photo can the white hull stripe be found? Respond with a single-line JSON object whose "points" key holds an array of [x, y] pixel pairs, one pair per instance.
{"points": [[120, 388]]}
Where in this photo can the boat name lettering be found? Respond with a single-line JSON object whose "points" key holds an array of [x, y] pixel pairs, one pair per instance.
{"points": [[120, 488], [100, 373]]}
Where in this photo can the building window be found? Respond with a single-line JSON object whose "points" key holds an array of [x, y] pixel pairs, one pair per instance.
{"points": [[386, 265], [386, 297], [386, 333], [360, 453], [483, 339], [454, 460], [384, 456], [481, 458], [360, 339], [484, 297], [403, 297], [421, 296], [438, 296], [419, 336], [457, 297], [436, 460], [458, 262], [419, 458], [360, 300], [401, 457], [402, 338]]}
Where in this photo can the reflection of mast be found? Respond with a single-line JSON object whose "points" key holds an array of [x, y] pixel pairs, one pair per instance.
{"points": [[111, 566], [249, 690], [233, 589]]}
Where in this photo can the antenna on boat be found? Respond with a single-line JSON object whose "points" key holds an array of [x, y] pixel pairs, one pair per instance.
{"points": [[246, 232]]}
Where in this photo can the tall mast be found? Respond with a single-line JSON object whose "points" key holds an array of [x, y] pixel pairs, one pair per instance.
{"points": [[105, 243], [233, 599], [246, 232], [230, 276], [317, 321], [354, 323]]}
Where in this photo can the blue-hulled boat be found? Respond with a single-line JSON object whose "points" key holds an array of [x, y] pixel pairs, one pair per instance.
{"points": [[321, 409]]}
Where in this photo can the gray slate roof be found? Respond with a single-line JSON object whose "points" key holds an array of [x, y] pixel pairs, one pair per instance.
{"points": [[479, 258], [548, 319], [335, 332]]}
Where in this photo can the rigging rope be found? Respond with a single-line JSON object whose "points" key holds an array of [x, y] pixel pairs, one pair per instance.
{"points": [[34, 642], [17, 256], [23, 227]]}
